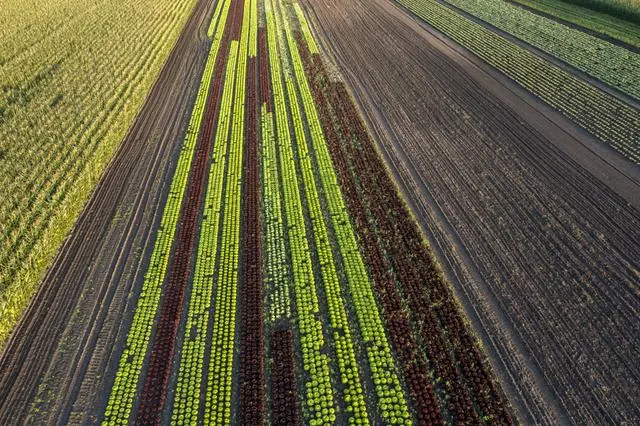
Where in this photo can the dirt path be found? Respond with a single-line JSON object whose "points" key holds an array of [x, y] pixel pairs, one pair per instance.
{"points": [[535, 223], [84, 294]]}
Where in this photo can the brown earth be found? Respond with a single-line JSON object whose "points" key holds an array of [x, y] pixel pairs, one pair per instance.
{"points": [[534, 222], [53, 368]]}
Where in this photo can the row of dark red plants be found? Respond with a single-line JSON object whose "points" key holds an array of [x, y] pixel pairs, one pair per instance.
{"points": [[263, 64], [284, 409], [403, 272], [251, 371], [153, 396]]}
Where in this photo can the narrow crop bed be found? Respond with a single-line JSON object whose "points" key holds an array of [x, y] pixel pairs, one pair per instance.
{"points": [[607, 62]]}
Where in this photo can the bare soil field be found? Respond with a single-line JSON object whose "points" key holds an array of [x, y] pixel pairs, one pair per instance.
{"points": [[53, 374], [535, 223]]}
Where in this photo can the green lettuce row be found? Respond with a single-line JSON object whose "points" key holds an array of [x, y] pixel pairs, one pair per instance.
{"points": [[319, 404], [185, 406]]}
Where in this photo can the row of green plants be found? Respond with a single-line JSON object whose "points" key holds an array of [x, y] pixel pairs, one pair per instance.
{"points": [[306, 31], [253, 29], [343, 338], [607, 62], [382, 366], [277, 269], [319, 403], [218, 391], [217, 24], [70, 90], [220, 375], [607, 118], [190, 372], [613, 27], [120, 404]]}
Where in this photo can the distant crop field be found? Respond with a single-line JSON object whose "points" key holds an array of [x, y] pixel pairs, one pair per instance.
{"points": [[607, 118], [607, 62], [616, 28], [624, 9], [73, 74]]}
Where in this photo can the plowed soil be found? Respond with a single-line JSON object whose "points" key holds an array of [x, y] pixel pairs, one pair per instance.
{"points": [[535, 223]]}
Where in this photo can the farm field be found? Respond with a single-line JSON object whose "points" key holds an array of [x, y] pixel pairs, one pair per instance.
{"points": [[597, 24], [611, 64], [610, 119], [319, 212], [624, 9], [65, 105], [256, 274], [320, 295]]}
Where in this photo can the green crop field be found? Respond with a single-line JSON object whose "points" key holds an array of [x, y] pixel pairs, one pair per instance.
{"points": [[623, 9], [73, 75], [625, 31], [609, 63]]}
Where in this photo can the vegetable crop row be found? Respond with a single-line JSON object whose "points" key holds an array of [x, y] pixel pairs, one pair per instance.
{"points": [[391, 402], [319, 400], [220, 374], [190, 370], [278, 274], [251, 371], [277, 270], [284, 410]]}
